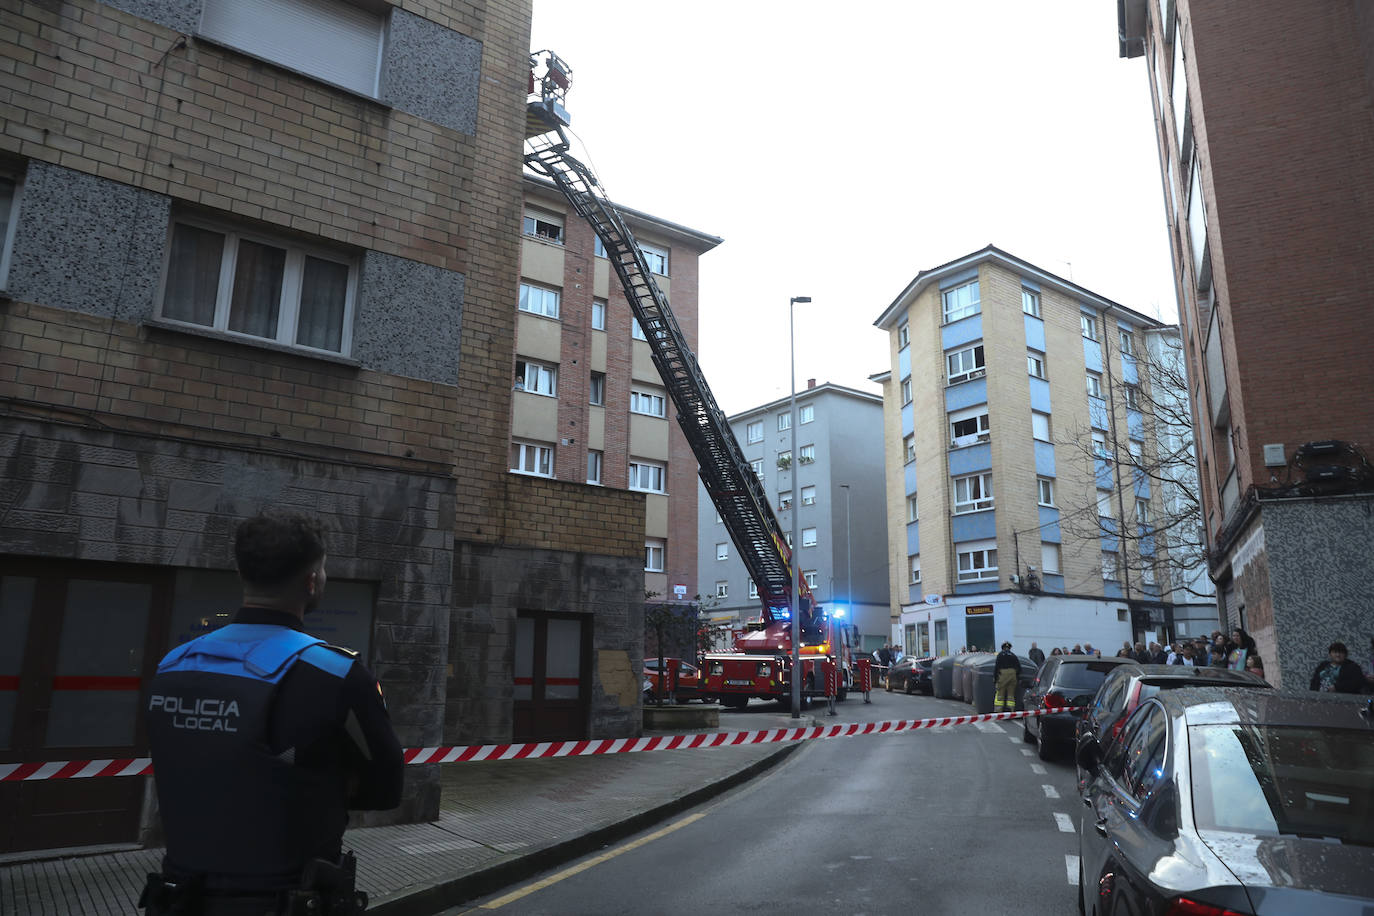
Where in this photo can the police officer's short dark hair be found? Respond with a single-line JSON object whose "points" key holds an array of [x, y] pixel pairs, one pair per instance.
{"points": [[272, 547]]}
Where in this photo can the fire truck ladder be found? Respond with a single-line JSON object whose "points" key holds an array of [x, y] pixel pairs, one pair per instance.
{"points": [[730, 481]]}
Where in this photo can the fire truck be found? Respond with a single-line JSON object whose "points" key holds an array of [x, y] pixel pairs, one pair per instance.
{"points": [[761, 665]]}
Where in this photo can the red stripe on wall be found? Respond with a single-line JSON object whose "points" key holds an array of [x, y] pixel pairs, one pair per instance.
{"points": [[555, 681], [9, 682], [96, 682]]}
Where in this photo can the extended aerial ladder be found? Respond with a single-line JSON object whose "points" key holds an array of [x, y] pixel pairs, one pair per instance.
{"points": [[730, 481]]}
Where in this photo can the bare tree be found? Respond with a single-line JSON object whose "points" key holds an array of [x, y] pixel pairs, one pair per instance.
{"points": [[674, 629], [1171, 523]]}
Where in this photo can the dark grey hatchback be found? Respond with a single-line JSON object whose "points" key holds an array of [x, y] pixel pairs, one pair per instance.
{"points": [[1226, 801], [1064, 686]]}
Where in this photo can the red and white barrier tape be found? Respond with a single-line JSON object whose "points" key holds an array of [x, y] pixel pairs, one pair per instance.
{"points": [[143, 766]]}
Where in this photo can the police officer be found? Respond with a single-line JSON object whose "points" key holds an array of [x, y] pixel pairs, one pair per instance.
{"points": [[1007, 671], [263, 738]]}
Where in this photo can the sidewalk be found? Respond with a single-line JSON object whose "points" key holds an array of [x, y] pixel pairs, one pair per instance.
{"points": [[500, 822]]}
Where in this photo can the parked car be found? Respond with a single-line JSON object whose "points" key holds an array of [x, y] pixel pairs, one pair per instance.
{"points": [[688, 680], [1063, 688], [1226, 800], [911, 675]]}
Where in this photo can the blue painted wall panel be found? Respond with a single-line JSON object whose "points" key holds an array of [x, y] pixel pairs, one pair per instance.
{"points": [[1092, 355], [1108, 536], [913, 539], [908, 420], [976, 588], [1035, 332], [1097, 412], [1135, 424], [1111, 590], [1049, 524], [966, 394], [1040, 395], [1102, 471], [970, 458], [962, 276], [1044, 458], [965, 330], [973, 526], [904, 363], [1051, 583], [909, 478], [1129, 373]]}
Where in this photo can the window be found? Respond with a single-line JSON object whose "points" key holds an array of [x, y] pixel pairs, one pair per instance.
{"points": [[784, 500], [539, 300], [978, 561], [647, 477], [1111, 571], [1094, 385], [914, 569], [541, 225], [1137, 453], [808, 495], [757, 466], [596, 390], [338, 43], [257, 286], [722, 589], [913, 511], [594, 459], [808, 537], [598, 314], [657, 258], [964, 364], [1040, 426], [968, 426], [806, 454], [1147, 574], [647, 402], [1046, 487], [906, 391], [1030, 302], [903, 335], [1142, 512], [785, 459], [809, 577], [637, 330], [536, 378], [972, 493], [909, 449], [8, 198], [753, 589], [1089, 325], [1049, 558], [784, 421], [531, 458], [807, 412], [599, 247], [1035, 363], [723, 551], [1127, 342], [653, 554], [754, 431], [1100, 445], [961, 301], [1133, 397], [1104, 504]]}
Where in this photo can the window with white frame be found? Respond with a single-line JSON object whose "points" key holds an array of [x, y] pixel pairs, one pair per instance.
{"points": [[1127, 342], [753, 589], [1133, 396], [969, 426], [906, 391], [338, 43], [1094, 384], [784, 500], [914, 569], [972, 493], [594, 460], [1089, 325], [542, 225], [539, 300], [647, 477], [531, 458], [654, 549], [650, 403], [1104, 504], [908, 449], [903, 335], [977, 561], [961, 301], [1147, 574], [789, 540], [808, 537], [1049, 558], [1111, 568], [1142, 513], [807, 413], [808, 496], [637, 330], [806, 454], [722, 589], [1040, 426], [1099, 441], [1035, 363], [757, 466], [785, 459], [536, 378], [598, 314], [723, 551], [1045, 486], [809, 577], [1030, 302], [9, 204], [599, 247], [657, 258], [254, 285], [596, 390], [754, 431], [964, 363], [913, 510], [1136, 449], [784, 421]]}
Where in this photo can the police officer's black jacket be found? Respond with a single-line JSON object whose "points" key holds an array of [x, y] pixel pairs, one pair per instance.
{"points": [[262, 738]]}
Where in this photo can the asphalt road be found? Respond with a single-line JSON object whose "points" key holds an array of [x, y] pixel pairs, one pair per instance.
{"points": [[963, 819]]}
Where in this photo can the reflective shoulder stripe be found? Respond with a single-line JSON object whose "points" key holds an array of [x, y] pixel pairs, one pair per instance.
{"points": [[252, 650], [329, 659]]}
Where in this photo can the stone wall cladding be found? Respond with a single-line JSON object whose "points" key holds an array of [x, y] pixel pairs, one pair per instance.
{"points": [[431, 71], [396, 297]]}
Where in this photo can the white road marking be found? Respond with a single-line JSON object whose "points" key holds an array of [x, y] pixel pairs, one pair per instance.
{"points": [[1071, 867], [1013, 739], [1064, 821], [1037, 769], [1028, 752], [1050, 792], [991, 727]]}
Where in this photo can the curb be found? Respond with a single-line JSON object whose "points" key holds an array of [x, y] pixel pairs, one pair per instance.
{"points": [[427, 900]]}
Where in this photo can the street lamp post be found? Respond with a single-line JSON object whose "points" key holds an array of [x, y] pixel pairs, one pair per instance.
{"points": [[848, 567], [793, 608]]}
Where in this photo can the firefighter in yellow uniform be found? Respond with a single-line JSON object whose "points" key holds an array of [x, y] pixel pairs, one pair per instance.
{"points": [[1007, 671]]}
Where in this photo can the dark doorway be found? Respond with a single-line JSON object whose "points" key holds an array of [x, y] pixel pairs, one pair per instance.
{"points": [[552, 675]]}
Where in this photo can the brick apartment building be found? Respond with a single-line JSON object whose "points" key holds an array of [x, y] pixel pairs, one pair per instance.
{"points": [[247, 267], [1266, 145]]}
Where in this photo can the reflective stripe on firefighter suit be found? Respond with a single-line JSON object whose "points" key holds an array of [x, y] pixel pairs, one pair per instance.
{"points": [[1008, 671]]}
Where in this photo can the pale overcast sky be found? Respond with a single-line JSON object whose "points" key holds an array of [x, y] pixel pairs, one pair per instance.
{"points": [[840, 149]]}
